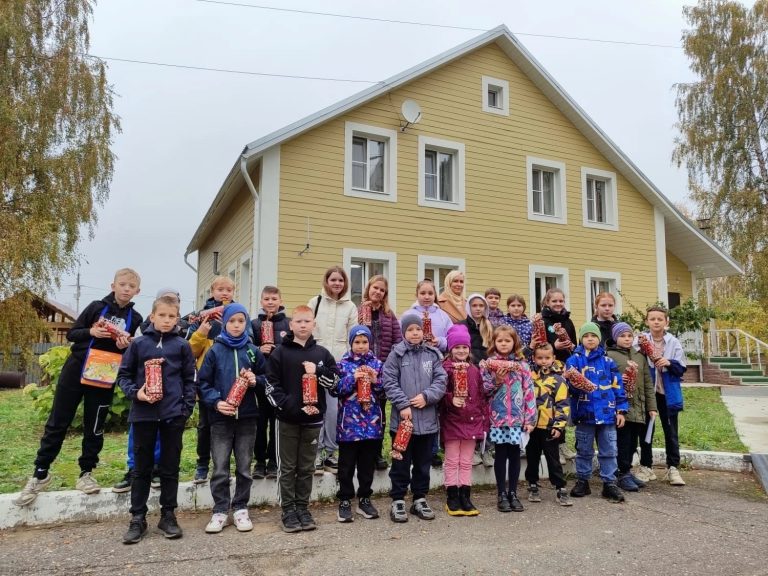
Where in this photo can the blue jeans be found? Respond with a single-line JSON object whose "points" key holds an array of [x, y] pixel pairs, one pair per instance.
{"points": [[606, 450], [227, 437], [130, 460]]}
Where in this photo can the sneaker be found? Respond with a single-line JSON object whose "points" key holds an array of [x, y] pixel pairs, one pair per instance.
{"points": [[31, 489], [566, 452], [136, 530], [581, 489], [673, 477], [636, 480], [242, 520], [627, 484], [217, 523], [421, 509], [612, 493], [305, 519], [477, 458], [366, 509], [514, 502], [259, 471], [87, 484], [124, 486], [201, 475], [319, 464], [344, 514], [155, 482], [381, 463], [487, 459], [437, 462], [290, 522], [533, 493], [330, 464], [502, 504], [271, 470], [562, 497], [397, 513], [169, 526]]}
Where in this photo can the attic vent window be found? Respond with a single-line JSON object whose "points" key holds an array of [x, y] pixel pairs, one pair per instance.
{"points": [[495, 96]]}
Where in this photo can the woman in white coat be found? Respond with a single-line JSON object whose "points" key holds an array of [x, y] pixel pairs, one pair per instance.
{"points": [[335, 315]]}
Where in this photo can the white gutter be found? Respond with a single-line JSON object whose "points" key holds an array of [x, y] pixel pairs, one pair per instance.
{"points": [[186, 255], [255, 285]]}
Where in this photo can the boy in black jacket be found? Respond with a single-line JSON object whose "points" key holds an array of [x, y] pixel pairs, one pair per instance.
{"points": [[89, 332], [298, 426], [152, 415], [272, 310]]}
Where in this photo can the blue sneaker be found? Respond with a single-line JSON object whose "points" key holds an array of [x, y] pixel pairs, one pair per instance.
{"points": [[201, 475], [636, 480], [627, 484]]}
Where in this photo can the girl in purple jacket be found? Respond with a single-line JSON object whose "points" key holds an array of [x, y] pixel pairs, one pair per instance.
{"points": [[463, 422]]}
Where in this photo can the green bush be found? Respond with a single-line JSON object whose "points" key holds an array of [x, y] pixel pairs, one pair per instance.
{"points": [[688, 317], [42, 395]]}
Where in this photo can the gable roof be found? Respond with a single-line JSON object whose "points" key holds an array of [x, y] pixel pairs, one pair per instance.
{"points": [[684, 239]]}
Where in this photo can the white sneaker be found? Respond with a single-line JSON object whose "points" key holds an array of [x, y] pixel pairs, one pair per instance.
{"points": [[673, 477], [87, 484], [217, 523], [566, 452], [476, 458], [242, 520], [31, 489], [643, 473]]}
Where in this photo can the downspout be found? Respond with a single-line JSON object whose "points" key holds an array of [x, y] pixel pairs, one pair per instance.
{"points": [[186, 255], [257, 226]]}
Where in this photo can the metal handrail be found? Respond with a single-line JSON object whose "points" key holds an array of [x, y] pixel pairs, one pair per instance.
{"points": [[752, 345]]}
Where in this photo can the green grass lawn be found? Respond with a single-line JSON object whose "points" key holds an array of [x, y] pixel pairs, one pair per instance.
{"points": [[705, 424]]}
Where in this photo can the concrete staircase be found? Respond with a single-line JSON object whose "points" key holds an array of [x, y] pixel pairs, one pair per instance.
{"points": [[733, 370]]}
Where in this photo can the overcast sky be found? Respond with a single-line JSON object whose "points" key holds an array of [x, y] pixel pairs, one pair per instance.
{"points": [[183, 129]]}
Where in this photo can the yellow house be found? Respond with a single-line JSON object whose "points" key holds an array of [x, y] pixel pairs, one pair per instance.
{"points": [[499, 173]]}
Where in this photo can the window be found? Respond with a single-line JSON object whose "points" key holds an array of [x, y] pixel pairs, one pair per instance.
{"points": [[362, 264], [597, 281], [546, 190], [495, 96], [599, 199], [441, 170], [370, 162], [245, 282], [436, 268], [541, 279]]}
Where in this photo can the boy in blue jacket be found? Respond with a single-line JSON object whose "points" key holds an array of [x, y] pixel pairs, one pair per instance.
{"points": [[233, 427], [150, 416], [596, 414], [414, 380]]}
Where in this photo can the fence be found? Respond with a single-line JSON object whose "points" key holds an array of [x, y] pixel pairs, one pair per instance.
{"points": [[33, 372]]}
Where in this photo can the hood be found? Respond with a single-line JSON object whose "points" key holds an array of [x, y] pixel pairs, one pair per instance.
{"points": [[472, 297]]}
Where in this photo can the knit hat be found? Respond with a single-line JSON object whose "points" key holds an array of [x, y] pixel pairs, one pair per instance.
{"points": [[589, 328], [360, 330], [458, 335], [234, 341], [409, 319], [164, 291], [619, 328], [469, 301]]}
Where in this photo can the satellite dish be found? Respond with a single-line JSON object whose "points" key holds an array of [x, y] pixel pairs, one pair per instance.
{"points": [[411, 112]]}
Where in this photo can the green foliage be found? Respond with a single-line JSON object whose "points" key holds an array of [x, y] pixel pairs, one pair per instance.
{"points": [[723, 137], [52, 363], [688, 317], [738, 311], [56, 128]]}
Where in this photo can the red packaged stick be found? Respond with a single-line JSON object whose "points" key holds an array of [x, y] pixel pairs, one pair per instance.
{"points": [[401, 439], [153, 378]]}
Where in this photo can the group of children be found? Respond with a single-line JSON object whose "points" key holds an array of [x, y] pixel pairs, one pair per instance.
{"points": [[490, 379]]}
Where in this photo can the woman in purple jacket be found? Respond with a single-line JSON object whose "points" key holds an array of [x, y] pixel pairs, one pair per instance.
{"points": [[385, 329]]}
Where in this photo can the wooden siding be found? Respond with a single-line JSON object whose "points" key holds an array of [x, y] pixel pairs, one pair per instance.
{"points": [[678, 277], [232, 238], [493, 235]]}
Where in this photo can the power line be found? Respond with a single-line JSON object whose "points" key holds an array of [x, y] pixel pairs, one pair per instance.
{"points": [[431, 25], [229, 71]]}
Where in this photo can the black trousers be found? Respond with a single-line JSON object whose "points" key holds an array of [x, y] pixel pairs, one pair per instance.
{"points": [[541, 442], [506, 465], [144, 436], [203, 436], [68, 396], [264, 450], [359, 455], [419, 456], [627, 439], [669, 425]]}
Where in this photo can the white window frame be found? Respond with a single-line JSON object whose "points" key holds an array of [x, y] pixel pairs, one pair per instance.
{"points": [[389, 259], [500, 86], [425, 261], [448, 146], [611, 198], [612, 277], [561, 207], [534, 272], [353, 129], [232, 274], [244, 281]]}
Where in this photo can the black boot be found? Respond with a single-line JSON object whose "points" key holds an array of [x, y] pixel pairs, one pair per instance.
{"points": [[612, 493], [581, 489], [452, 502], [169, 526], [466, 504], [136, 529], [514, 502]]}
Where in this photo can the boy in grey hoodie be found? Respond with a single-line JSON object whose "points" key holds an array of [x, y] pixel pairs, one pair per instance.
{"points": [[414, 381]]}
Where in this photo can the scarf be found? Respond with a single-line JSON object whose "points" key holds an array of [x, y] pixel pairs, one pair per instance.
{"points": [[225, 337], [452, 304]]}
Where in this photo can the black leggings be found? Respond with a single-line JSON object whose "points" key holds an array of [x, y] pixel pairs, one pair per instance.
{"points": [[507, 453]]}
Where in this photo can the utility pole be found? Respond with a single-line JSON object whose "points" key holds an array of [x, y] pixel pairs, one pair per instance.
{"points": [[77, 292]]}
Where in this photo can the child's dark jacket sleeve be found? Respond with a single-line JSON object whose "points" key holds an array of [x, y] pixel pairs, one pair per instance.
{"points": [[209, 394], [188, 374], [126, 374], [274, 388]]}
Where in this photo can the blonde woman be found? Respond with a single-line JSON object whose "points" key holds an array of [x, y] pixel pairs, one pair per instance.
{"points": [[451, 299]]}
